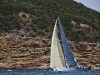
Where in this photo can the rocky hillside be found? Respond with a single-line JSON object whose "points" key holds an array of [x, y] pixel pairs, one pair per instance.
{"points": [[24, 52], [26, 30], [27, 52]]}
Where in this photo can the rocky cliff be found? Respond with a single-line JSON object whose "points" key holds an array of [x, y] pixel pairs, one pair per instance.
{"points": [[19, 50]]}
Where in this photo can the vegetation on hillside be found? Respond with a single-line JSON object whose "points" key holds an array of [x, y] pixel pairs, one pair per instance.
{"points": [[46, 11]]}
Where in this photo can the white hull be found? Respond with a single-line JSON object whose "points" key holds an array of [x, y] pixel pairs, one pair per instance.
{"points": [[70, 69]]}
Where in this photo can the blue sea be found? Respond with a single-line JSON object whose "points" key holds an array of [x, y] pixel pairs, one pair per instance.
{"points": [[26, 72]]}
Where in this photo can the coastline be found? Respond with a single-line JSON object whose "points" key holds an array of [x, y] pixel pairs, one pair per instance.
{"points": [[39, 68]]}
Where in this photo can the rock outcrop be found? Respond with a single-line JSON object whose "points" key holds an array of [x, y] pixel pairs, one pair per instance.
{"points": [[26, 52]]}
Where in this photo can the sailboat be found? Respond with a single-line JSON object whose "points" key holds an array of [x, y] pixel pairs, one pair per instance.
{"points": [[62, 58]]}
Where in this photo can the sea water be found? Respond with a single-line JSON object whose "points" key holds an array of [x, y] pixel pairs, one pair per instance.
{"points": [[26, 72]]}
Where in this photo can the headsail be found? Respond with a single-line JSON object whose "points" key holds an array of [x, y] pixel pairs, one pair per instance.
{"points": [[69, 57], [57, 58]]}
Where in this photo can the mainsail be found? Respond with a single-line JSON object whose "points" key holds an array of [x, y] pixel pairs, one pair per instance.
{"points": [[57, 58], [68, 55]]}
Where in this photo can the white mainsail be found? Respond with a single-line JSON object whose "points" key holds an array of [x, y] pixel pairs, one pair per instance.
{"points": [[57, 58]]}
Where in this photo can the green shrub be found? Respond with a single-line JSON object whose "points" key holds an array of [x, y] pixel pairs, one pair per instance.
{"points": [[40, 32]]}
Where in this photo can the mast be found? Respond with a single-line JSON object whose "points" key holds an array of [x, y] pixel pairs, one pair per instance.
{"points": [[56, 57], [69, 57]]}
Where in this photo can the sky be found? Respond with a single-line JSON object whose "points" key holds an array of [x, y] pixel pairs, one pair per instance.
{"points": [[94, 4]]}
